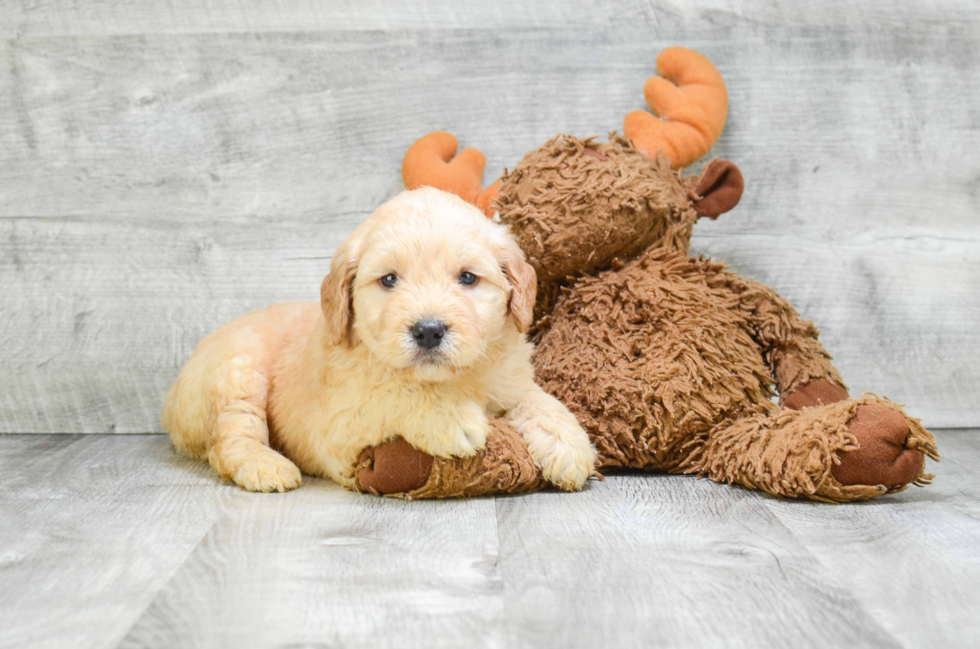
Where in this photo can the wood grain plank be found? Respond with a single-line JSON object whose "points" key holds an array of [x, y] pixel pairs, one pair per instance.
{"points": [[61, 17], [842, 130], [110, 539], [94, 334], [911, 560], [91, 528], [667, 561], [321, 566], [674, 562]]}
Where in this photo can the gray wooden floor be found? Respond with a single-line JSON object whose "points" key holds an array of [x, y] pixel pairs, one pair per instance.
{"points": [[113, 541]]}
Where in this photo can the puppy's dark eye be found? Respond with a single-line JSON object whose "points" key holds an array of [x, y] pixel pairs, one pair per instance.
{"points": [[389, 280], [467, 278]]}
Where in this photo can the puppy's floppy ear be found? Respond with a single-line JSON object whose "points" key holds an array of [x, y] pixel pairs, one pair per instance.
{"points": [[337, 295], [523, 284]]}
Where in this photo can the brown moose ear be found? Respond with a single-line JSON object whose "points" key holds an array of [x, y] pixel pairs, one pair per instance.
{"points": [[719, 188]]}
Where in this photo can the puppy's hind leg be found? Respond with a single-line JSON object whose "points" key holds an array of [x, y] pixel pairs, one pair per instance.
{"points": [[240, 451]]}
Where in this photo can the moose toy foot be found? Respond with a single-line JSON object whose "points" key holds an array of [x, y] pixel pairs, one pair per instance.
{"points": [[393, 467], [889, 454]]}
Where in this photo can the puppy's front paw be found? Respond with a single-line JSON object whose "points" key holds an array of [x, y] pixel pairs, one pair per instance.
{"points": [[566, 461], [556, 441], [267, 472], [458, 432]]}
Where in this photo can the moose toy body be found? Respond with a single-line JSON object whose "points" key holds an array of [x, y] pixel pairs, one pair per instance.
{"points": [[669, 361]]}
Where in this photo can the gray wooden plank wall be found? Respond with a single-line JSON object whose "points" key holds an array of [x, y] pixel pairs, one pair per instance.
{"points": [[166, 166]]}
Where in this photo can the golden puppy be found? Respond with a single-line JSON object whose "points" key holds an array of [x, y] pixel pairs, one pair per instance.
{"points": [[419, 333]]}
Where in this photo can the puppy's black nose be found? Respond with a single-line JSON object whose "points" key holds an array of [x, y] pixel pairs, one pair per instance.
{"points": [[428, 334]]}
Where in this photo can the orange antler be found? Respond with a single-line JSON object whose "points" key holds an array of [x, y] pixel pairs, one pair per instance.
{"points": [[430, 162], [691, 101]]}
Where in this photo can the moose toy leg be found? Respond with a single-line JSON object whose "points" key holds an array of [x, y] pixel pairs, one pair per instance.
{"points": [[395, 468], [880, 431], [853, 449]]}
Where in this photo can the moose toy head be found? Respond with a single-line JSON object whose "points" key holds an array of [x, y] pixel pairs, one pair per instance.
{"points": [[576, 205]]}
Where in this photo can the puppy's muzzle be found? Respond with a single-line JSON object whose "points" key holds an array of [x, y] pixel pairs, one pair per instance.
{"points": [[429, 333]]}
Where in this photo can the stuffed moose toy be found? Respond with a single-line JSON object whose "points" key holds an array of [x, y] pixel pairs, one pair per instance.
{"points": [[670, 362]]}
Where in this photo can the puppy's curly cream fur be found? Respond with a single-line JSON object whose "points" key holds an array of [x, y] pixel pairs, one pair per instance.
{"points": [[307, 386]]}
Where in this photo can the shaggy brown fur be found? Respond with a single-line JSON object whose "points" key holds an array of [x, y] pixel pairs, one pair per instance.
{"points": [[572, 191], [505, 466], [651, 354], [793, 453], [608, 194], [670, 362]]}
